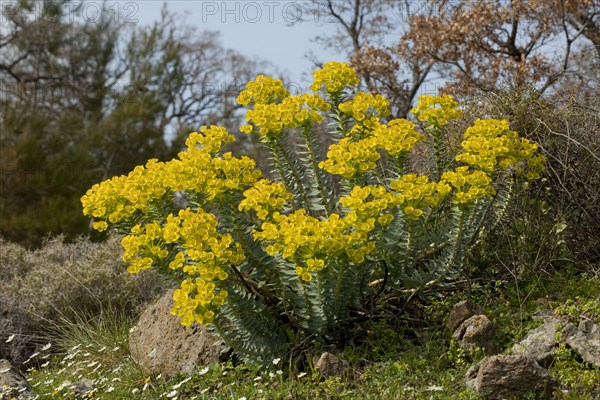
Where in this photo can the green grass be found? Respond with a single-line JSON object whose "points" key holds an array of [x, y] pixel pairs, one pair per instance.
{"points": [[392, 357]]}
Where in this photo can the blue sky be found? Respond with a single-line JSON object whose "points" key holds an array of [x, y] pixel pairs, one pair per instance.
{"points": [[257, 29]]}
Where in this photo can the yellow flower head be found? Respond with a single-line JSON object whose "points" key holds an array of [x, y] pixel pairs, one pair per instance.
{"points": [[437, 110], [490, 144], [263, 90], [366, 109], [335, 76]]}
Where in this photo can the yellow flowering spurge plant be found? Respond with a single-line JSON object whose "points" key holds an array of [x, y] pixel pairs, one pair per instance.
{"points": [[269, 263]]}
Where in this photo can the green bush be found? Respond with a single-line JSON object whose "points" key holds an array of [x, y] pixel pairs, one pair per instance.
{"points": [[272, 264]]}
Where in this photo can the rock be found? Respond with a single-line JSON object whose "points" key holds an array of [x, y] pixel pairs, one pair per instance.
{"points": [[462, 311], [509, 376], [83, 387], [590, 329], [13, 384], [160, 344], [476, 332], [539, 343], [584, 340], [544, 315], [330, 365]]}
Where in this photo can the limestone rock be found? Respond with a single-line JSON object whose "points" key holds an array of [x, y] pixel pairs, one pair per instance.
{"points": [[13, 384], [584, 340], [330, 365], [509, 376], [160, 344], [476, 332], [462, 311], [539, 343]]}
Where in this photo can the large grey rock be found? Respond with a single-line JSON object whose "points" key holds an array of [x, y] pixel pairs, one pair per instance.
{"points": [[462, 311], [13, 384], [584, 340], [476, 332], [160, 344], [330, 365], [539, 343], [509, 376]]}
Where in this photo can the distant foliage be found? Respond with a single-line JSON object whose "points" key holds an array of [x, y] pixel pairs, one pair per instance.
{"points": [[269, 264], [85, 99]]}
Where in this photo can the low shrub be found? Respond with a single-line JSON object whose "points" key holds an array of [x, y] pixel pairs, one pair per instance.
{"points": [[273, 264], [60, 281]]}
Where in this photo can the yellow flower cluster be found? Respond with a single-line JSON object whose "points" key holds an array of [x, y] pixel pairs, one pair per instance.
{"points": [[263, 90], [348, 158], [301, 238], [490, 144], [335, 76], [205, 256], [398, 136], [292, 112], [196, 170], [365, 109], [469, 185], [416, 192], [368, 205], [188, 301], [265, 197], [212, 140], [437, 110], [351, 156]]}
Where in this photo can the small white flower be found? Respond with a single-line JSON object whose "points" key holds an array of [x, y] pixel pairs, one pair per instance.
{"points": [[301, 374], [135, 391], [177, 386], [271, 375], [434, 388], [279, 372], [276, 361], [10, 338], [258, 378], [110, 389], [46, 347], [203, 371]]}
